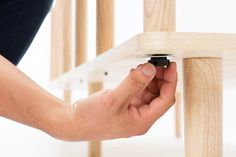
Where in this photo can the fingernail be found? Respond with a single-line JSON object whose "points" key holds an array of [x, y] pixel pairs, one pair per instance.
{"points": [[148, 69]]}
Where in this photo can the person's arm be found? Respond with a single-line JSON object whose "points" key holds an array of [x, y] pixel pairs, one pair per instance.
{"points": [[129, 109]]}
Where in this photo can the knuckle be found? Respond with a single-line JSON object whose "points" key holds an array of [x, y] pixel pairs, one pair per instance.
{"points": [[137, 81], [109, 98]]}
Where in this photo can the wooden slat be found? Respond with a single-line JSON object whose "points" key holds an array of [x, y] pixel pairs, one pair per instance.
{"points": [[119, 60], [203, 94], [81, 32]]}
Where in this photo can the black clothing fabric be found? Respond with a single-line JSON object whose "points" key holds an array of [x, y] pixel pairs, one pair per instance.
{"points": [[20, 20]]}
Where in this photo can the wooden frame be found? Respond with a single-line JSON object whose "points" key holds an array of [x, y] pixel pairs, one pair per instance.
{"points": [[205, 56]]}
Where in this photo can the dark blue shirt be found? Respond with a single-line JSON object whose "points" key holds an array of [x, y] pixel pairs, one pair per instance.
{"points": [[19, 22]]}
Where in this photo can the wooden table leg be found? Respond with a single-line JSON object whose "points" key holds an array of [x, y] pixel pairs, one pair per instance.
{"points": [[159, 16], [61, 48], [95, 146], [203, 107], [178, 115], [105, 41]]}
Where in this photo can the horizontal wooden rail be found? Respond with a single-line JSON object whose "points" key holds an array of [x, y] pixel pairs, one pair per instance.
{"points": [[114, 64]]}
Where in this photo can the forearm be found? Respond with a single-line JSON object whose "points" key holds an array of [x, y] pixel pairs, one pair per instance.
{"points": [[23, 101], [129, 109]]}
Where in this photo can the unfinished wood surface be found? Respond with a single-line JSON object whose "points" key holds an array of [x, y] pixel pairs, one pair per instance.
{"points": [[105, 25], [203, 107], [57, 39], [119, 60], [61, 52], [105, 41], [95, 149], [67, 96], [81, 32], [159, 15], [95, 146], [178, 114], [61, 38]]}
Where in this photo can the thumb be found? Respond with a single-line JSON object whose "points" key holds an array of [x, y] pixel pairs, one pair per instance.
{"points": [[137, 80]]}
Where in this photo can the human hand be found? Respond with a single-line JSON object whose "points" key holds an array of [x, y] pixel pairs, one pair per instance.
{"points": [[128, 110]]}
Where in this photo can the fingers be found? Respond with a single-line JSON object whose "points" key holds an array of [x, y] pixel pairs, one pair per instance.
{"points": [[156, 83], [167, 93], [160, 73], [137, 80]]}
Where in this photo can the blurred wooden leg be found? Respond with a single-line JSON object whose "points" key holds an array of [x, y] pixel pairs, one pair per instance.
{"points": [[105, 41], [178, 115], [95, 149], [61, 38], [203, 107], [67, 96], [61, 53], [95, 146]]}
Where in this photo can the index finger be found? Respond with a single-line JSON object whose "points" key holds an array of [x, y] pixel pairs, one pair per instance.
{"points": [[167, 93]]}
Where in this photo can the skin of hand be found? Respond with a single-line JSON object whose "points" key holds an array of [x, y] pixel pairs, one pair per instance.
{"points": [[128, 110]]}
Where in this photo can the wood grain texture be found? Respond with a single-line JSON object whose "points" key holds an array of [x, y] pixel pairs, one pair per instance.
{"points": [[105, 25], [178, 114], [119, 60], [203, 107], [105, 41], [81, 32], [61, 38], [159, 15]]}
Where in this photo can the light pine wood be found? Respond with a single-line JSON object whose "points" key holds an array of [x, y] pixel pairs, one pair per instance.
{"points": [[95, 146], [203, 107], [61, 52], [178, 114], [95, 87], [61, 38], [67, 29], [67, 96], [81, 32], [105, 41], [57, 40], [95, 149], [159, 15], [120, 59], [67, 57], [105, 25]]}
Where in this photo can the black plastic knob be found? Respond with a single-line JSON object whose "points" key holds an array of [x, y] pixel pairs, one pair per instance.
{"points": [[159, 61]]}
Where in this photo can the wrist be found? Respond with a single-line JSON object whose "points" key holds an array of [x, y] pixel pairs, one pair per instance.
{"points": [[61, 122]]}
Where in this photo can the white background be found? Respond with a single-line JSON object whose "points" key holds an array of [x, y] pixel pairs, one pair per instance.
{"points": [[192, 16]]}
